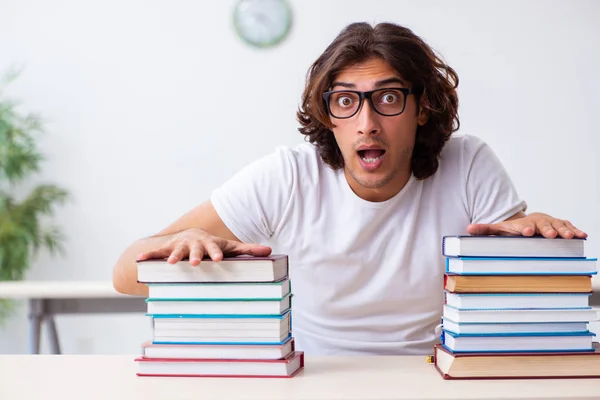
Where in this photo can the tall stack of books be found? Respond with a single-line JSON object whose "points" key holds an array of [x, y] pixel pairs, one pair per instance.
{"points": [[228, 318], [517, 307]]}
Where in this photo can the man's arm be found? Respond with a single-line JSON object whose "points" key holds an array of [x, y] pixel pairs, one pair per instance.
{"points": [[495, 207], [252, 202], [196, 233]]}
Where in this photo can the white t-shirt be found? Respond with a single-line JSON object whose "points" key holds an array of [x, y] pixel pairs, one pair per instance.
{"points": [[367, 277]]}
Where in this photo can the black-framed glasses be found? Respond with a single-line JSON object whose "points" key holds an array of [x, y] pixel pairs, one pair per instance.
{"points": [[388, 102]]}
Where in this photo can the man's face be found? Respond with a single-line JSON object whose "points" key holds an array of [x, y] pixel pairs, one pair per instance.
{"points": [[376, 149]]}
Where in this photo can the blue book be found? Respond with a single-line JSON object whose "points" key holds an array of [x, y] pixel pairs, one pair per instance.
{"points": [[225, 341], [206, 329], [542, 342], [512, 328], [461, 265]]}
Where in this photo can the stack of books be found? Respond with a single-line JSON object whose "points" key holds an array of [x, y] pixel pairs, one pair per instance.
{"points": [[231, 318], [517, 307]]}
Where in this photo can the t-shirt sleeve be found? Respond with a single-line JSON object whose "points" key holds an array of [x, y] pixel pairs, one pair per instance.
{"points": [[491, 194], [253, 201]]}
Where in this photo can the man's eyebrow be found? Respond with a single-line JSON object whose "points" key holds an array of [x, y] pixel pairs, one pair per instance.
{"points": [[388, 81], [344, 84], [378, 84]]}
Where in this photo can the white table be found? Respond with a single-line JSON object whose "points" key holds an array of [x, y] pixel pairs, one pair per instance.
{"points": [[48, 298], [91, 377]]}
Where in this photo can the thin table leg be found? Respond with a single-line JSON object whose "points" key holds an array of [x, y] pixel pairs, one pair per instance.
{"points": [[54, 343], [35, 325]]}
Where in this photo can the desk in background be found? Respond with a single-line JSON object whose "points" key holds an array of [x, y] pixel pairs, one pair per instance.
{"points": [[47, 299]]}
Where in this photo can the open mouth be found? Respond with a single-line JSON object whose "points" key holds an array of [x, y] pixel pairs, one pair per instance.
{"points": [[370, 156]]}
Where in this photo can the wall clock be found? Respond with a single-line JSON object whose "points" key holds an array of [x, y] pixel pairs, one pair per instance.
{"points": [[262, 23]]}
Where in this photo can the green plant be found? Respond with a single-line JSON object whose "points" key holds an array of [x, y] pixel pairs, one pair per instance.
{"points": [[24, 212]]}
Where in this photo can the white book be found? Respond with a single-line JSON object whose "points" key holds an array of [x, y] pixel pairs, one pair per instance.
{"points": [[521, 266], [230, 269], [511, 246], [219, 307], [241, 290], [484, 301], [492, 328], [218, 351], [518, 316], [538, 342], [239, 332]]}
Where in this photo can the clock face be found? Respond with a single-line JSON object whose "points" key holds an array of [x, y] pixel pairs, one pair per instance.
{"points": [[262, 23]]}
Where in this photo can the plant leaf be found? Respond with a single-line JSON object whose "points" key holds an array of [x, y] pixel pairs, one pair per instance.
{"points": [[27, 215], [22, 230]]}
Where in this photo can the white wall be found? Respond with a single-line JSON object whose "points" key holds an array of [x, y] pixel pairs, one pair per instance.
{"points": [[137, 91]]}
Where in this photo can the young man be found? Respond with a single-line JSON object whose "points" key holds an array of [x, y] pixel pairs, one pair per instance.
{"points": [[362, 208]]}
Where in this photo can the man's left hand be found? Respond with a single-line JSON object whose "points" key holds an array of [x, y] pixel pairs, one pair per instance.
{"points": [[529, 225]]}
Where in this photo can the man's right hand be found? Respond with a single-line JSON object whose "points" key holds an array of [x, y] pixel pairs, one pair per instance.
{"points": [[198, 233], [196, 243]]}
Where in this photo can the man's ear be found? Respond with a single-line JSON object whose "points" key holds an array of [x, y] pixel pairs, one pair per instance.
{"points": [[423, 116]]}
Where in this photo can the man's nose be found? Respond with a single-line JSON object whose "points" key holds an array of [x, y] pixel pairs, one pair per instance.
{"points": [[368, 119]]}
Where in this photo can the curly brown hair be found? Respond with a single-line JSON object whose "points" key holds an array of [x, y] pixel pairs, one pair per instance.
{"points": [[414, 60]]}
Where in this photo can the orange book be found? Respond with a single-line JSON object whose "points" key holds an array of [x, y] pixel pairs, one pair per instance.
{"points": [[518, 283]]}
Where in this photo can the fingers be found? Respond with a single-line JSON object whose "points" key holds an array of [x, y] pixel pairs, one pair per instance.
{"points": [[501, 228], [481, 229], [259, 250], [578, 232], [197, 252], [154, 254], [522, 227], [534, 224], [527, 228], [546, 229], [179, 252], [214, 250], [562, 230], [196, 249], [233, 248], [567, 230]]}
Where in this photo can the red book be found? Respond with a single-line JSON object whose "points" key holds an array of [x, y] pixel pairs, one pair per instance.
{"points": [[525, 365], [212, 367]]}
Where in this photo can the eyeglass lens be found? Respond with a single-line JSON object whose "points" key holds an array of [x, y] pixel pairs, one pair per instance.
{"points": [[386, 101]]}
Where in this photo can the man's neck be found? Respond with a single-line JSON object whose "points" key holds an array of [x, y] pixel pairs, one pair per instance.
{"points": [[380, 194]]}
